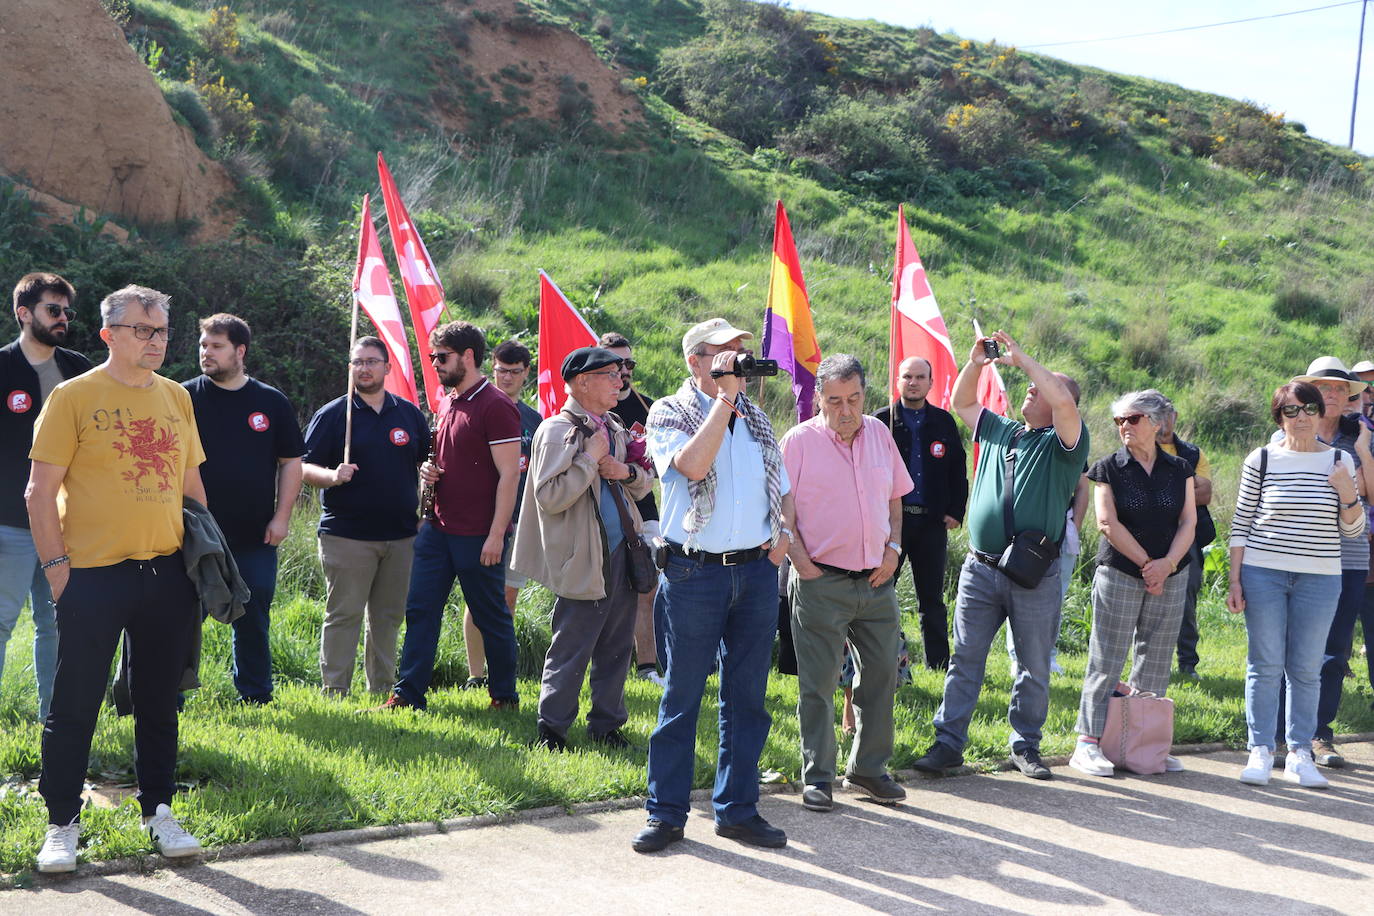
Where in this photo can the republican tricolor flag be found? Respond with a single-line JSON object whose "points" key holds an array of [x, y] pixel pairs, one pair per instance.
{"points": [[788, 334], [562, 329], [372, 291], [421, 281], [916, 327]]}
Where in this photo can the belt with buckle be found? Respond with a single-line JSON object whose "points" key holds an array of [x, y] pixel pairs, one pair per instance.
{"points": [[986, 558], [729, 558], [851, 573], [915, 510]]}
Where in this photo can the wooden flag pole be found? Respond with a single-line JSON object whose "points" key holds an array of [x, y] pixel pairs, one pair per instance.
{"points": [[348, 406]]}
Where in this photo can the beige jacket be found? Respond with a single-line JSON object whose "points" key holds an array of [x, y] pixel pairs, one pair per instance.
{"points": [[559, 538]]}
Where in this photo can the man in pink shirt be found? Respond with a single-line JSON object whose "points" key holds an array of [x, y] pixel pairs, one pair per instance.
{"points": [[848, 480]]}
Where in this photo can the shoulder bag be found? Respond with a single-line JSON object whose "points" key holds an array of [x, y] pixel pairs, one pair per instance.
{"points": [[1030, 553]]}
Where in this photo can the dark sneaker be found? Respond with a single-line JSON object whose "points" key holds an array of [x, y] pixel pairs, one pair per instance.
{"points": [[395, 701], [882, 789], [550, 740], [473, 682], [655, 836], [1324, 753], [755, 832], [1189, 673], [818, 797], [1027, 760], [505, 703], [614, 738], [939, 758]]}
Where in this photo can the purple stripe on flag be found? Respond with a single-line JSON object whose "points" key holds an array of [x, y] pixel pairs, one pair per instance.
{"points": [[777, 341], [804, 387]]}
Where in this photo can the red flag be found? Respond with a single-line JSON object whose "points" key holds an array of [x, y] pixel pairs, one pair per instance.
{"points": [[561, 330], [916, 327], [372, 290], [424, 294], [992, 394]]}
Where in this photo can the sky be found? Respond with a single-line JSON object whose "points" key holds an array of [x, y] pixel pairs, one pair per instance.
{"points": [[1302, 65]]}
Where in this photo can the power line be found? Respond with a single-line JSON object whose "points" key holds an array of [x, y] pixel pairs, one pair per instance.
{"points": [[1190, 28]]}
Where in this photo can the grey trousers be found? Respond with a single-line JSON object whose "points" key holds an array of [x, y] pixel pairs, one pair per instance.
{"points": [[601, 632], [1124, 614], [362, 575], [825, 612]]}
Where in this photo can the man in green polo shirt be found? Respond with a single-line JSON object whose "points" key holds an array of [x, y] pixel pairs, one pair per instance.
{"points": [[1049, 459]]}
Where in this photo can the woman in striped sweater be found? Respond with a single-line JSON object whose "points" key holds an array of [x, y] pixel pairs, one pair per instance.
{"points": [[1297, 497]]}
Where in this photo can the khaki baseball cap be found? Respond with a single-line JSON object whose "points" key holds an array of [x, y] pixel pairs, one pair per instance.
{"points": [[714, 331]]}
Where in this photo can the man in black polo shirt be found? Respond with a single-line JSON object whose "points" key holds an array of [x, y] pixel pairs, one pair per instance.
{"points": [[252, 476], [930, 447], [367, 530], [475, 471], [31, 366]]}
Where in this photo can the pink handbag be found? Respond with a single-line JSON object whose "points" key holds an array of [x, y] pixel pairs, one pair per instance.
{"points": [[1140, 730]]}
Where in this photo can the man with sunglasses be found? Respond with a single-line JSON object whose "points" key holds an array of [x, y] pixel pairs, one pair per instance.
{"points": [[31, 366], [475, 471], [367, 528], [633, 410]]}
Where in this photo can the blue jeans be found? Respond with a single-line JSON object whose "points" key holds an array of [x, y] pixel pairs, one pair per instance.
{"points": [[705, 612], [20, 577], [439, 559], [1287, 618], [986, 598], [252, 649]]}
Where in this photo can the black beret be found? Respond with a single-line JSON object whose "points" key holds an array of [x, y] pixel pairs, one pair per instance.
{"points": [[587, 359]]}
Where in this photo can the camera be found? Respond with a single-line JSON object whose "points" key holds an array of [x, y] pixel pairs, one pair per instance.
{"points": [[990, 349], [747, 366]]}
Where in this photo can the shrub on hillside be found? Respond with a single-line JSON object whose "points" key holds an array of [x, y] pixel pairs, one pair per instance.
{"points": [[311, 143], [221, 32], [985, 133], [849, 134], [185, 101], [1230, 420], [1251, 139], [1293, 304]]}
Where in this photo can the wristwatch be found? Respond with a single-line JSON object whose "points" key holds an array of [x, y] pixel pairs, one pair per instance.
{"points": [[895, 546], [634, 472]]}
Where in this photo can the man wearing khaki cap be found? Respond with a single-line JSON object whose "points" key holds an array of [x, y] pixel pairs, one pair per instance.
{"points": [[726, 513]]}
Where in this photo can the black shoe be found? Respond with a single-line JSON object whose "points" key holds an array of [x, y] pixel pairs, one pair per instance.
{"points": [[939, 758], [1189, 673], [755, 831], [474, 682], [1027, 760], [655, 836], [614, 738], [818, 797], [550, 740], [882, 789]]}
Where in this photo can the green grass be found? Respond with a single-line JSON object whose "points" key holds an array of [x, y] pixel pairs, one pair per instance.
{"points": [[307, 763]]}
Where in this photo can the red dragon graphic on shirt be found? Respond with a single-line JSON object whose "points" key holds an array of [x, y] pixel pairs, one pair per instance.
{"points": [[152, 449]]}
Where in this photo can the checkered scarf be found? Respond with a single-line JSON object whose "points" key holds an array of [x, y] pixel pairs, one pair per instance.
{"points": [[683, 412]]}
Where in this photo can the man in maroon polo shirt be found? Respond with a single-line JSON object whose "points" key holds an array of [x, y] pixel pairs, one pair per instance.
{"points": [[475, 471]]}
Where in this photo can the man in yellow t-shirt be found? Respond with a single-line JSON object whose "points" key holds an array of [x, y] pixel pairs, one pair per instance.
{"points": [[114, 451], [1206, 532]]}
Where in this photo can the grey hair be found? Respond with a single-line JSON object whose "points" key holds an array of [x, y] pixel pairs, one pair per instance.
{"points": [[113, 307], [1150, 402], [839, 366]]}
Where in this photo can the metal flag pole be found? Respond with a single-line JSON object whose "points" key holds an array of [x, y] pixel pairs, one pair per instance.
{"points": [[348, 406]]}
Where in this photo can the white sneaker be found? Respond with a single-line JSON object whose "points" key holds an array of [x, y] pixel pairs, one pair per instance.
{"points": [[1172, 764], [1258, 767], [1055, 667], [1088, 758], [652, 676], [59, 848], [1300, 768], [170, 838]]}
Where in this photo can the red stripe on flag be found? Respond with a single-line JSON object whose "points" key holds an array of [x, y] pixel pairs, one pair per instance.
{"points": [[562, 329], [373, 292], [915, 325]]}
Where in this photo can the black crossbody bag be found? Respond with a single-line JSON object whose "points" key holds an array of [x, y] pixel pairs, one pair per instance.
{"points": [[1030, 553]]}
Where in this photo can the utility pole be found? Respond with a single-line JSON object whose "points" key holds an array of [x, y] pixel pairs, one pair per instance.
{"points": [[1359, 56]]}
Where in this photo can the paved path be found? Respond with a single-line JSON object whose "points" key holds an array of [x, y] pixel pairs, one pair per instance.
{"points": [[1197, 842]]}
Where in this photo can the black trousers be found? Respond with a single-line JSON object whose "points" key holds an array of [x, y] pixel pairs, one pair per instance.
{"points": [[925, 541], [156, 603], [1188, 631]]}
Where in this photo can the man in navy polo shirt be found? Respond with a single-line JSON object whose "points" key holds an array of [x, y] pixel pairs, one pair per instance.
{"points": [[367, 530], [475, 472], [252, 476]]}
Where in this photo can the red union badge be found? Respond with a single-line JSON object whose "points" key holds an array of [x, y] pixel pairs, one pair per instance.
{"points": [[400, 437], [19, 401], [258, 422], [937, 450]]}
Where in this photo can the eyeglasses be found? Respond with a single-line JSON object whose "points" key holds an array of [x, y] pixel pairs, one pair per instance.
{"points": [[1291, 410], [59, 311], [440, 358], [612, 373], [627, 365], [1133, 419], [145, 332], [370, 363], [501, 371]]}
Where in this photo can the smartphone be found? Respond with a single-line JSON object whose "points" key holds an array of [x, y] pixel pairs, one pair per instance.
{"points": [[990, 348]]}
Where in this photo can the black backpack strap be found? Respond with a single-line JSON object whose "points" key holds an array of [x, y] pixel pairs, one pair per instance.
{"points": [[1009, 486], [1264, 467]]}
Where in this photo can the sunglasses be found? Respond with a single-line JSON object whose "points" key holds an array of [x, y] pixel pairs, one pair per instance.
{"points": [[1133, 419], [439, 358], [1292, 410], [60, 311], [628, 365]]}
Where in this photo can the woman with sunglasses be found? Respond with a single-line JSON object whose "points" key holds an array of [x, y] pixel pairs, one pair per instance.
{"points": [[1146, 512], [1297, 498]]}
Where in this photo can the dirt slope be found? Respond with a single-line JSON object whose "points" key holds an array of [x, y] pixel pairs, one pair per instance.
{"points": [[84, 121]]}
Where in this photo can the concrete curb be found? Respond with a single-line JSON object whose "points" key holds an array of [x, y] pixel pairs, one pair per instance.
{"points": [[146, 864]]}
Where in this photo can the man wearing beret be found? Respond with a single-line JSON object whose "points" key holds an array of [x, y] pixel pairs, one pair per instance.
{"points": [[572, 536], [475, 472]]}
